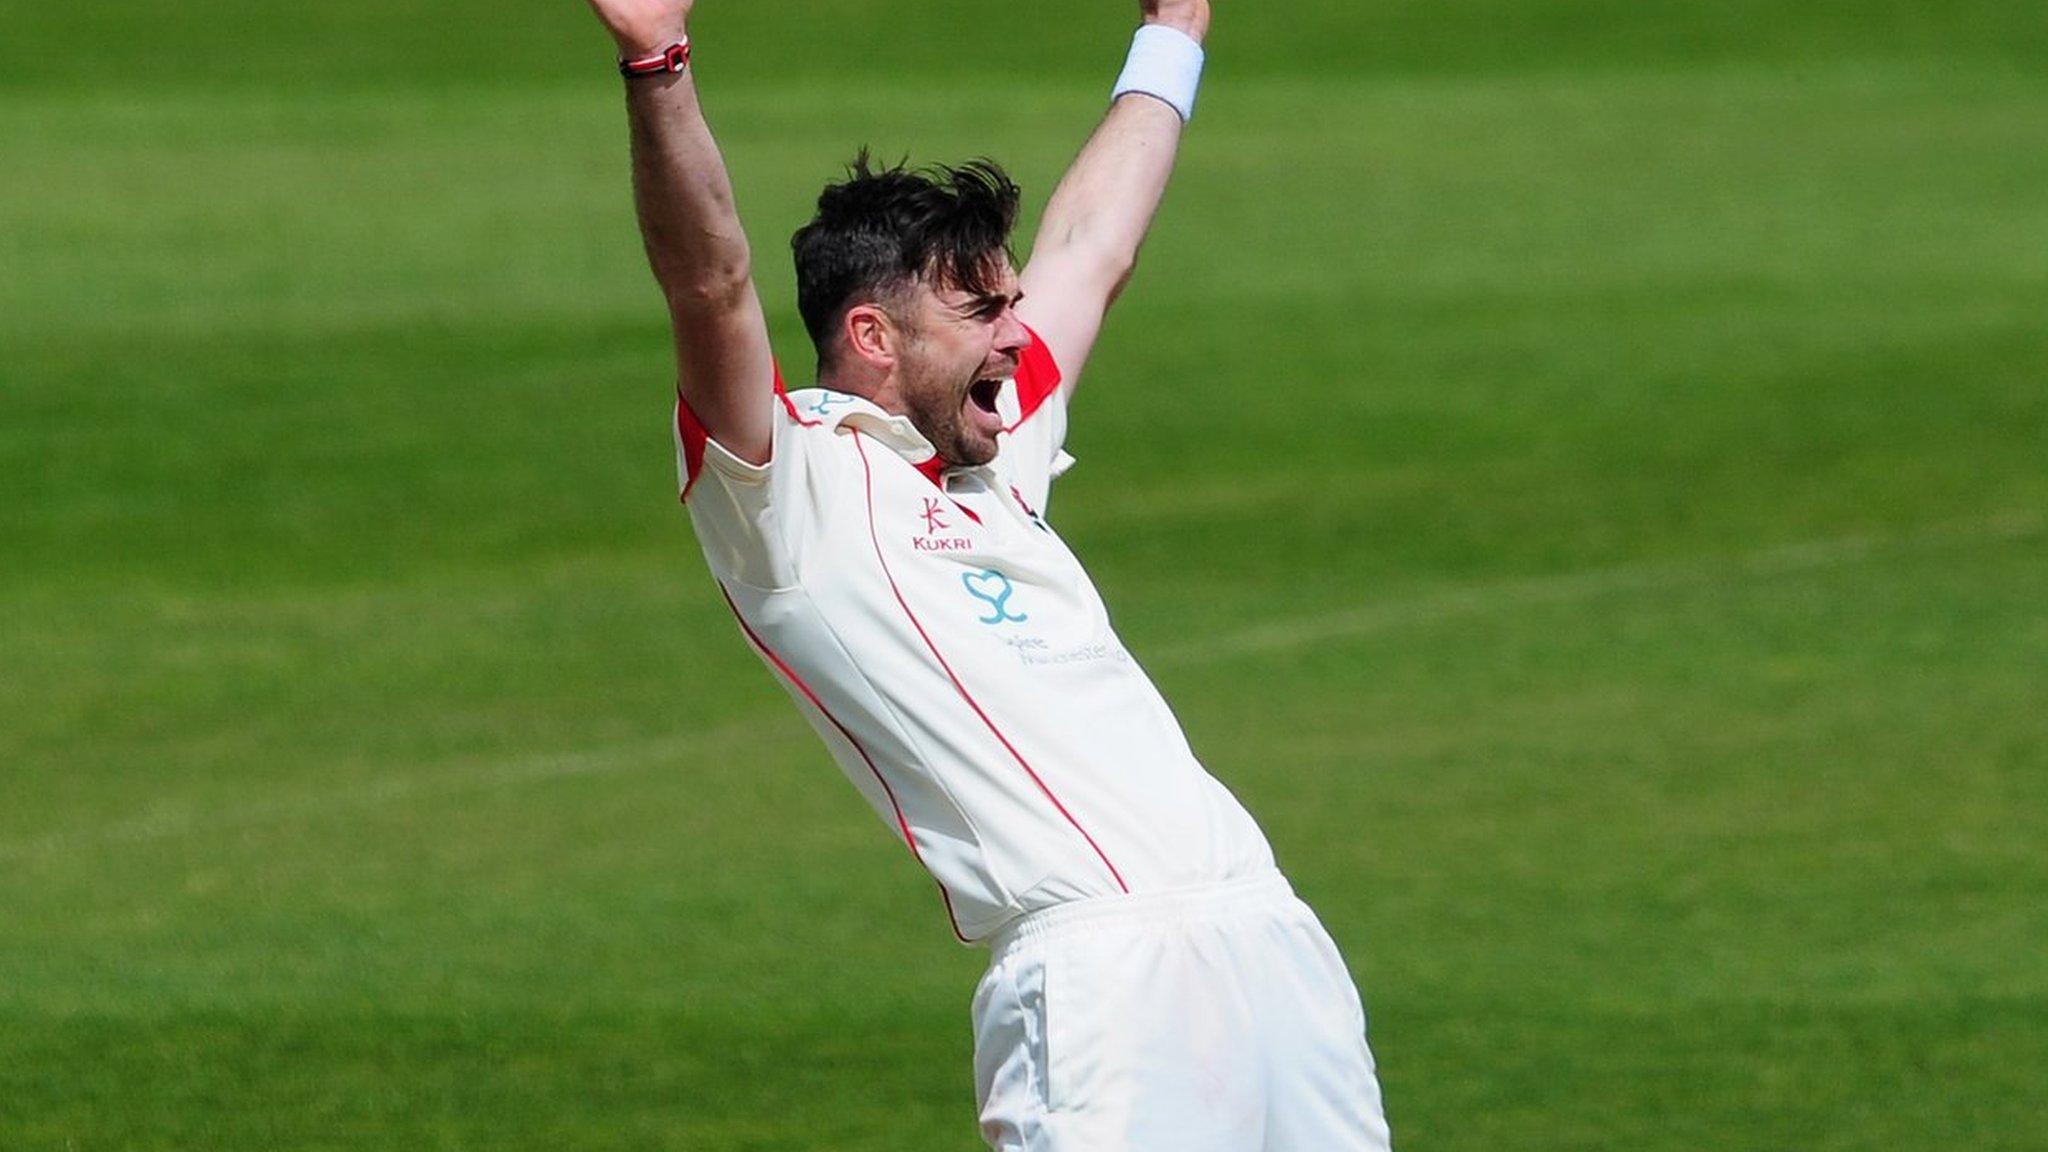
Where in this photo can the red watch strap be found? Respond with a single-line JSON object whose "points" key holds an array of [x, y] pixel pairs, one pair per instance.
{"points": [[673, 58]]}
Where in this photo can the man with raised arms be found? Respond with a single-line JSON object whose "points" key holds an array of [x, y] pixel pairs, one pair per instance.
{"points": [[1154, 985]]}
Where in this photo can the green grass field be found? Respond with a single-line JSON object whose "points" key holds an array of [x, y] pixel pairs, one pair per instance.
{"points": [[1579, 467]]}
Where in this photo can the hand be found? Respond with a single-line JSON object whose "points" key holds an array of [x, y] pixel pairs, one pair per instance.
{"points": [[1190, 16], [643, 26]]}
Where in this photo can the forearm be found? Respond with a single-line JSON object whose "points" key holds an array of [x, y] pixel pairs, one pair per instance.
{"points": [[1099, 214], [724, 369], [688, 220], [1097, 218]]}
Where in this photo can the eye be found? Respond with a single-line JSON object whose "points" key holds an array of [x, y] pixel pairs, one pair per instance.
{"points": [[994, 306]]}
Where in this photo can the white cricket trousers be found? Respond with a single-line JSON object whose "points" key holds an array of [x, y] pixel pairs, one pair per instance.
{"points": [[1215, 1019]]}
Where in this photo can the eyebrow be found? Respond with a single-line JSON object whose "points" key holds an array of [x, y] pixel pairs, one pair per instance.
{"points": [[989, 300]]}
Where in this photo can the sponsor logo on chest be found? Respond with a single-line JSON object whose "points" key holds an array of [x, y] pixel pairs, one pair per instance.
{"points": [[939, 533], [1000, 608]]}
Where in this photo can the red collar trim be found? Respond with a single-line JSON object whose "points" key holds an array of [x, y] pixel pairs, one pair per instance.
{"points": [[933, 470]]}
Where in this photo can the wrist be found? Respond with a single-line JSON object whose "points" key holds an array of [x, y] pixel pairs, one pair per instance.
{"points": [[646, 42], [1188, 26], [668, 60], [1165, 63], [1188, 17]]}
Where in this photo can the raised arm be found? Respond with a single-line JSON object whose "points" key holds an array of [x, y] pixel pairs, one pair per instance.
{"points": [[1088, 241], [724, 369]]}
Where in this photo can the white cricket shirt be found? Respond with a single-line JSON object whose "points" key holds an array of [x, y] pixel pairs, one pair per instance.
{"points": [[956, 659]]}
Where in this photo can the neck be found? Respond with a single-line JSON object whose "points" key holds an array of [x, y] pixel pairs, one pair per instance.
{"points": [[865, 381]]}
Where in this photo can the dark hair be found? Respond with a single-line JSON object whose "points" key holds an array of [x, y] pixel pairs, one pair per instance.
{"points": [[881, 230]]}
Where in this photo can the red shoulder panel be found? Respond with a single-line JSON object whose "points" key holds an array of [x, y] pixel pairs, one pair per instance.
{"points": [[691, 434], [1038, 377]]}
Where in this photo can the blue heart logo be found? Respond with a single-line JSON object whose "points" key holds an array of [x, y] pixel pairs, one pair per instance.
{"points": [[829, 400], [993, 589]]}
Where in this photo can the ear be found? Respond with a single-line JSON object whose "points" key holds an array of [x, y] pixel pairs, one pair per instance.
{"points": [[872, 336]]}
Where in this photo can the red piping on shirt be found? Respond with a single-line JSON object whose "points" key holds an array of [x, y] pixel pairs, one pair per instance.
{"points": [[868, 472], [790, 405], [902, 824]]}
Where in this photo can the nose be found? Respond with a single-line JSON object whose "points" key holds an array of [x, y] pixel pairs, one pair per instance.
{"points": [[1012, 337]]}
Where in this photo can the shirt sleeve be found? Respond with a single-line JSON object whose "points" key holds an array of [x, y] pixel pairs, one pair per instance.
{"points": [[753, 520], [1034, 441]]}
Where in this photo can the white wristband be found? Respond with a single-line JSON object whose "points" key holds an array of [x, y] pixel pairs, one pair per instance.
{"points": [[1166, 63]]}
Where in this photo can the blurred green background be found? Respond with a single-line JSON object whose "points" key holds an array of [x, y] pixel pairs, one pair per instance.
{"points": [[1580, 468]]}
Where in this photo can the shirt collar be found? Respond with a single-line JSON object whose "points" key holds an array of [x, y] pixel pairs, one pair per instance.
{"points": [[843, 410]]}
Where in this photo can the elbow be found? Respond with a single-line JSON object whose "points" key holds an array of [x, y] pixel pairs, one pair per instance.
{"points": [[1103, 265], [706, 290], [1115, 267], [1110, 269], [1116, 286], [1106, 253], [1120, 271]]}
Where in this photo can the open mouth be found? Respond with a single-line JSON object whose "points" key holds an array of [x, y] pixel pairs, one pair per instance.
{"points": [[984, 393]]}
